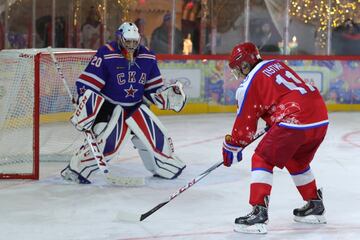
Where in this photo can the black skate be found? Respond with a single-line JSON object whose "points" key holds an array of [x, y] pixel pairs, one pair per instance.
{"points": [[71, 175], [254, 222], [312, 212]]}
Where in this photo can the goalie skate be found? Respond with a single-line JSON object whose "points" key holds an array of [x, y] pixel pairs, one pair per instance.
{"points": [[71, 175]]}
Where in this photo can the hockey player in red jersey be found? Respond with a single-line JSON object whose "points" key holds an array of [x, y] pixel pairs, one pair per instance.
{"points": [[297, 119]]}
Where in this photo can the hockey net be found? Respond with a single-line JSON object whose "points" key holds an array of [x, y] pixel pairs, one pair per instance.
{"points": [[35, 108]]}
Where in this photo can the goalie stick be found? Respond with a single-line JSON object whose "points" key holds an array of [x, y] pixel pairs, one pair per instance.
{"points": [[91, 140], [125, 216]]}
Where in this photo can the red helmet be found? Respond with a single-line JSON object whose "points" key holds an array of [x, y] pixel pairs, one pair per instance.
{"points": [[244, 52]]}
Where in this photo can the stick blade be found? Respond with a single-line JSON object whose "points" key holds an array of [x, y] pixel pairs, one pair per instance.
{"points": [[123, 216], [125, 181]]}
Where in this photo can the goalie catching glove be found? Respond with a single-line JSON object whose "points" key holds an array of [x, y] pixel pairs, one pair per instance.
{"points": [[171, 97], [87, 110]]}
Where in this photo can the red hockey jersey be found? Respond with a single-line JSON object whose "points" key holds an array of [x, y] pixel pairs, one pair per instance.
{"points": [[274, 92]]}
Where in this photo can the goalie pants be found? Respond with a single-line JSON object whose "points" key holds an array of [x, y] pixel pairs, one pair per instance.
{"points": [[293, 149]]}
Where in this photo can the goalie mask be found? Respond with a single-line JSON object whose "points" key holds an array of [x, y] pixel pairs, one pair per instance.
{"points": [[128, 37], [243, 59]]}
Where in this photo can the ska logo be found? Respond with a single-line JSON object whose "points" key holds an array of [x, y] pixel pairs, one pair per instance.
{"points": [[131, 78]]}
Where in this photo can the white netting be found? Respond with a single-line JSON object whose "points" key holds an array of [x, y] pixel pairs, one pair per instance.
{"points": [[17, 98]]}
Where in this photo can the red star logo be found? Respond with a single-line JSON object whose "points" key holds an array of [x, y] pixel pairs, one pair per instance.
{"points": [[130, 92], [82, 90]]}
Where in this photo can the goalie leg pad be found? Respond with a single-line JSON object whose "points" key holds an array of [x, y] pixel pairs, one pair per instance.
{"points": [[158, 164], [111, 139], [154, 145], [87, 110], [72, 176], [115, 134]]}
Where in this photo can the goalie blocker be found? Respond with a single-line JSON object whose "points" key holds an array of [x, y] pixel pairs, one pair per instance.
{"points": [[147, 133]]}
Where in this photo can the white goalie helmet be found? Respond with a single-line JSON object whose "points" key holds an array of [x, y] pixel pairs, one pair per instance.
{"points": [[128, 36]]}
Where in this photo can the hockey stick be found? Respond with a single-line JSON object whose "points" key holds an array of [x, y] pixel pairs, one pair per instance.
{"points": [[124, 216], [92, 141]]}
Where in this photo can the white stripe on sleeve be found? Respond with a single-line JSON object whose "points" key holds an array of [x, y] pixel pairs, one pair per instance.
{"points": [[94, 77], [153, 79], [88, 84]]}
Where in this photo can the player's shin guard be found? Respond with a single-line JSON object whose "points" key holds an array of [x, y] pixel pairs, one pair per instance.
{"points": [[260, 188], [305, 182], [313, 211], [154, 145], [261, 180], [110, 136]]}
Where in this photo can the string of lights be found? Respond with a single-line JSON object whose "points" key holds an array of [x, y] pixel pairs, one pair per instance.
{"points": [[319, 13], [124, 6]]}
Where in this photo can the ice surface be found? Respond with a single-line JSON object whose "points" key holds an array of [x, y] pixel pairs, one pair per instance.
{"points": [[51, 209]]}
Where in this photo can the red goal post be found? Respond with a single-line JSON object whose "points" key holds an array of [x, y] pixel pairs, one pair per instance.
{"points": [[32, 100]]}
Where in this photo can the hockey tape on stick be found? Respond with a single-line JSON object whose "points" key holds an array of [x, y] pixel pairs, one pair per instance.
{"points": [[91, 139], [129, 217]]}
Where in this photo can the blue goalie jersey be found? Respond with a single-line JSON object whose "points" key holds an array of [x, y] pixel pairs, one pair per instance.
{"points": [[110, 74]]}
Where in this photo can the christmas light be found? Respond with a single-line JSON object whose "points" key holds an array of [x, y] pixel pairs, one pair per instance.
{"points": [[125, 6], [318, 12]]}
